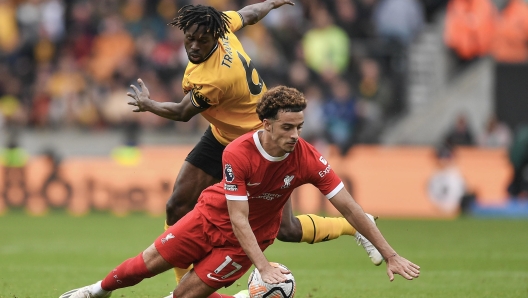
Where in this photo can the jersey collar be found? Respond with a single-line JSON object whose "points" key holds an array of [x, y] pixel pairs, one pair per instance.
{"points": [[263, 152]]}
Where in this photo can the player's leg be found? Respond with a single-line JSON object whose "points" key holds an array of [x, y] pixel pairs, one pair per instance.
{"points": [[221, 267], [129, 273], [202, 168], [190, 183], [291, 229], [193, 286], [311, 228]]}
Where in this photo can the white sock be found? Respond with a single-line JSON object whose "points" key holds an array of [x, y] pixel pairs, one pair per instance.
{"points": [[97, 291]]}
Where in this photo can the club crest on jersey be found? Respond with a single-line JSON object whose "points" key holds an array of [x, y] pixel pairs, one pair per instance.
{"points": [[167, 238], [228, 172], [287, 181]]}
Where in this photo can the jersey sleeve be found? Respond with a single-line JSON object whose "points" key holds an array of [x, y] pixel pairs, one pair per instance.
{"points": [[322, 176], [234, 176], [235, 19], [204, 96]]}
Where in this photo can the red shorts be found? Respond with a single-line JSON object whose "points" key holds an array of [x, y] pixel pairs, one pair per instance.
{"points": [[193, 240]]}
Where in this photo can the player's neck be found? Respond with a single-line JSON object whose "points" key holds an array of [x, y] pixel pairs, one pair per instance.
{"points": [[269, 145]]}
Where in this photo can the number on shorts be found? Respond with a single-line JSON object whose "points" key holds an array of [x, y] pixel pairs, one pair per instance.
{"points": [[224, 264]]}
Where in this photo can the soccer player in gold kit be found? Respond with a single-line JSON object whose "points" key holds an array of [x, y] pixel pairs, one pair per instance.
{"points": [[222, 84]]}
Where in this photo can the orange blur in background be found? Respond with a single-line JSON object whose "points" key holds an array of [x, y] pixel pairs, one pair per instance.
{"points": [[386, 181]]}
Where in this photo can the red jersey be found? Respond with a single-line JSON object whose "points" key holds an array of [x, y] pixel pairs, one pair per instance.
{"points": [[266, 182]]}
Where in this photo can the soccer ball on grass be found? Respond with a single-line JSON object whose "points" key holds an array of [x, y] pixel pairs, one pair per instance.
{"points": [[259, 289]]}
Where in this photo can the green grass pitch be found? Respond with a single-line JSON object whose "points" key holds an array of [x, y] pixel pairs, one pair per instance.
{"points": [[46, 256]]}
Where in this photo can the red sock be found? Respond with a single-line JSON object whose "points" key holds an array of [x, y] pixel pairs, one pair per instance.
{"points": [[129, 273]]}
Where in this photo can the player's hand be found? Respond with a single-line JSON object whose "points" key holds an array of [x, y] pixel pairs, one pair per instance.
{"points": [[273, 275], [279, 3], [399, 265], [141, 97]]}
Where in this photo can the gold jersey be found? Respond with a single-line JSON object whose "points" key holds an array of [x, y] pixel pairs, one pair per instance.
{"points": [[228, 85]]}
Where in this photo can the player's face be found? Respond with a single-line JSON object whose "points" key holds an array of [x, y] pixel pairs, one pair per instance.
{"points": [[285, 131], [198, 43]]}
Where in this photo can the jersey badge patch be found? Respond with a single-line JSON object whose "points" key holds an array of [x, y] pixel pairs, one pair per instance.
{"points": [[287, 181], [228, 172]]}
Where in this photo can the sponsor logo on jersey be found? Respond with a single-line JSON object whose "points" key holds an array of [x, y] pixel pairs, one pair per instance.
{"points": [[253, 184], [321, 159], [210, 276], [231, 187], [267, 196], [198, 99], [324, 172], [167, 238], [228, 172], [287, 181]]}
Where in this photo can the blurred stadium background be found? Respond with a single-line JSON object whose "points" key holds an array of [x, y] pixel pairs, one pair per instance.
{"points": [[420, 106]]}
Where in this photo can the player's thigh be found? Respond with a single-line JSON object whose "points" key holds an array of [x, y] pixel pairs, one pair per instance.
{"points": [[207, 155], [191, 181], [224, 265], [192, 286], [185, 242], [202, 168]]}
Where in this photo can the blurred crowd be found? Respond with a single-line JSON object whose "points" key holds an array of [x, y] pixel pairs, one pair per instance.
{"points": [[69, 63], [475, 28]]}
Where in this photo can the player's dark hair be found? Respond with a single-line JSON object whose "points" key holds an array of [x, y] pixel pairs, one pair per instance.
{"points": [[280, 98], [215, 22]]}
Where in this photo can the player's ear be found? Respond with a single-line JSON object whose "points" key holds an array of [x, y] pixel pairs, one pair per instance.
{"points": [[267, 124]]}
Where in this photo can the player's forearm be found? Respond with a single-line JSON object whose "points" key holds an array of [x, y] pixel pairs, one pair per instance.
{"points": [[169, 110], [355, 215], [256, 12], [248, 242]]}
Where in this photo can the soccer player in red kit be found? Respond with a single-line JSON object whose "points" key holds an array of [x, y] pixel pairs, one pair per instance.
{"points": [[236, 219], [222, 84]]}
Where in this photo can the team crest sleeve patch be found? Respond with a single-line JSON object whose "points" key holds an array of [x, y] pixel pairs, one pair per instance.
{"points": [[228, 172], [198, 99]]}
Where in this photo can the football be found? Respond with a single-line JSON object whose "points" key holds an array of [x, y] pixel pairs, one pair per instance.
{"points": [[259, 289]]}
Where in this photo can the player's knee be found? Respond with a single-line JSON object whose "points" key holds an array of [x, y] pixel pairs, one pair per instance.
{"points": [[177, 208], [290, 232]]}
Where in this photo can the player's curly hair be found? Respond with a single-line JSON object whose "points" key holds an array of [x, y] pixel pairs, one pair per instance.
{"points": [[213, 20], [280, 98]]}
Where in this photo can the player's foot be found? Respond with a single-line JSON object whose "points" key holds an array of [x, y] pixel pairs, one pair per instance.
{"points": [[372, 252], [84, 292], [242, 294]]}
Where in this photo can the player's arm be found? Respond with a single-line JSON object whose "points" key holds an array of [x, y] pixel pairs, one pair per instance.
{"points": [[355, 215], [255, 12], [238, 214], [182, 111]]}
